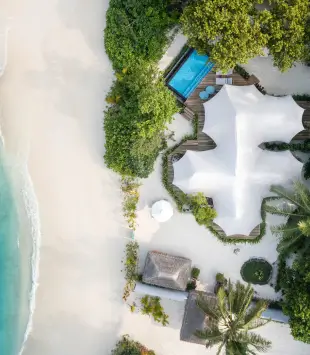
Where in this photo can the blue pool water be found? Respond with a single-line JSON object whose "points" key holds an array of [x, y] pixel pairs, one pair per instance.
{"points": [[192, 71]]}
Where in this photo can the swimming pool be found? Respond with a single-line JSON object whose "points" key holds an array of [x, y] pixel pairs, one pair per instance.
{"points": [[190, 74]]}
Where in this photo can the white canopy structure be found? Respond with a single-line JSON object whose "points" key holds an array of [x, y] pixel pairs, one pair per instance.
{"points": [[237, 174], [162, 211]]}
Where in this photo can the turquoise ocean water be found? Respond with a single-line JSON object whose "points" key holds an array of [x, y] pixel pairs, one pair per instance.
{"points": [[15, 262], [10, 268]]}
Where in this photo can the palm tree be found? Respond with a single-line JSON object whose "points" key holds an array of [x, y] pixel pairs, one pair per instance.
{"points": [[230, 317], [295, 232]]}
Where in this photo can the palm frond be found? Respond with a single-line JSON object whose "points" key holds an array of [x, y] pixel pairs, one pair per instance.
{"points": [[243, 298], [304, 226], [258, 342], [284, 211], [212, 336], [289, 196], [219, 350], [209, 307], [222, 303], [252, 318], [303, 193]]}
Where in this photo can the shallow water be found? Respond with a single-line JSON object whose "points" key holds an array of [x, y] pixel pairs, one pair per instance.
{"points": [[9, 265], [15, 259]]}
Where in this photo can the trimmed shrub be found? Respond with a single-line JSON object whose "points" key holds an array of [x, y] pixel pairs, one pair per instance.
{"points": [[195, 273]]}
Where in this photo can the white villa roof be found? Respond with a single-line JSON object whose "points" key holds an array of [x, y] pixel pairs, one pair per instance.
{"points": [[237, 174]]}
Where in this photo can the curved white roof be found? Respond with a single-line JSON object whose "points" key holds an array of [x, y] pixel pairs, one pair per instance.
{"points": [[237, 174]]}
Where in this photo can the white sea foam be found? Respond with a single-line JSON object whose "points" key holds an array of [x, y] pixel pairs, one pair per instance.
{"points": [[32, 210]]}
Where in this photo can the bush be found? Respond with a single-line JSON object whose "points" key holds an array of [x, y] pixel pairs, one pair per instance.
{"points": [[296, 304], [191, 285], [151, 306], [221, 279], [135, 122], [203, 213], [126, 346], [195, 273], [256, 271], [131, 199], [130, 267], [136, 29]]}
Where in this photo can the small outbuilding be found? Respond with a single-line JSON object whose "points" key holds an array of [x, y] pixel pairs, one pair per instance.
{"points": [[167, 271], [194, 318]]}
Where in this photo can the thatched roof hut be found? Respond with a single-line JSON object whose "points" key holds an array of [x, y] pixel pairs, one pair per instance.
{"points": [[167, 271]]}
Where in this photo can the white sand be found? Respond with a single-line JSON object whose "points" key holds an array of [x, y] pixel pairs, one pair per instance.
{"points": [[173, 50], [294, 81], [52, 97]]}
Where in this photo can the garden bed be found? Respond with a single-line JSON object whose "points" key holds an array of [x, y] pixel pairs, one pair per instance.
{"points": [[256, 271]]}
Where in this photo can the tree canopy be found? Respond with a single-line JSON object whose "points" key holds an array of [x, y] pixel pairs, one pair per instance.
{"points": [[296, 289], [230, 321], [294, 234], [232, 32], [136, 28], [229, 31], [286, 30], [134, 124]]}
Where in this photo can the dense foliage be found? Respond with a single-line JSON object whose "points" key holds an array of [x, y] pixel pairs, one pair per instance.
{"points": [[234, 31], [203, 213], [136, 29], [224, 30], [127, 346], [231, 317], [287, 32], [141, 107], [256, 271], [296, 289], [295, 233]]}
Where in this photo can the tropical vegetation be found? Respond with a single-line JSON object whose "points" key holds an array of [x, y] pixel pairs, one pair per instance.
{"points": [[295, 285], [135, 122], [203, 213], [130, 267], [224, 30], [233, 32], [294, 235], [152, 307], [231, 317], [130, 191], [136, 29], [127, 346], [256, 271]]}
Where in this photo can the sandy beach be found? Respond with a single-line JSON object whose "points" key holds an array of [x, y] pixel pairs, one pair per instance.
{"points": [[52, 98]]}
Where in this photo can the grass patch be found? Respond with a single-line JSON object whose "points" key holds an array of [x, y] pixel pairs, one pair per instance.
{"points": [[256, 271]]}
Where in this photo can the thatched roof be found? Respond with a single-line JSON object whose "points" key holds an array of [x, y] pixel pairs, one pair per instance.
{"points": [[167, 271], [194, 318]]}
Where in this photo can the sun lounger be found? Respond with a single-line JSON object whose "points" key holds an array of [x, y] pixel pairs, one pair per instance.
{"points": [[223, 81]]}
